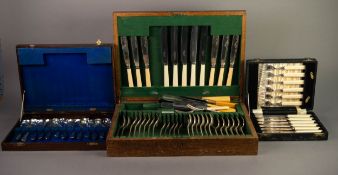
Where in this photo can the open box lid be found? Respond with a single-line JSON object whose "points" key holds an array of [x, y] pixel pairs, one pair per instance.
{"points": [[309, 80], [66, 77], [149, 24]]}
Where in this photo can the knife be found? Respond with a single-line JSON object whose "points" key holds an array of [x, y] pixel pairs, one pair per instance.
{"points": [[125, 51], [145, 53], [184, 53], [165, 59], [193, 54], [214, 51], [134, 50], [174, 53], [233, 55], [224, 54], [202, 54]]}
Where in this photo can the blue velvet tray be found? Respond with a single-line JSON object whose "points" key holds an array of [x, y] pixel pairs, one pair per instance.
{"points": [[66, 79]]}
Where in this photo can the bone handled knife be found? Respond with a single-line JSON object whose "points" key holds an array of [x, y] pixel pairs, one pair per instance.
{"points": [[145, 53], [233, 55], [214, 51], [184, 53], [134, 51], [193, 54], [224, 54], [202, 52], [165, 59], [174, 53], [126, 58]]}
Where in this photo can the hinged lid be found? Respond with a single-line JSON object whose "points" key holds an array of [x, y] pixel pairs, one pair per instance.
{"points": [[150, 25], [308, 93], [66, 77]]}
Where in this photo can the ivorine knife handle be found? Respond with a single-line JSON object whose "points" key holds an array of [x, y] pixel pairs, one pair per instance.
{"points": [[184, 75], [305, 127], [299, 115], [220, 77], [229, 79], [193, 75], [166, 76], [298, 82], [212, 76], [175, 75], [300, 67], [130, 78], [202, 75], [138, 78], [295, 103], [309, 131], [148, 79], [294, 75], [293, 90], [292, 96]]}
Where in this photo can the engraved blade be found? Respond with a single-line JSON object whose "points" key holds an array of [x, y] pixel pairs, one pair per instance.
{"points": [[173, 44], [145, 52], [134, 51], [204, 31], [184, 44], [234, 49], [193, 44], [214, 50], [224, 50], [125, 51], [164, 37]]}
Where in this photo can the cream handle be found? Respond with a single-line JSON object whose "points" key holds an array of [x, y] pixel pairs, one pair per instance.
{"points": [[292, 96], [304, 124], [302, 121], [284, 119], [148, 79], [306, 127], [202, 75], [309, 131], [184, 75], [166, 76], [212, 76], [175, 76], [220, 77], [300, 67], [193, 75], [294, 75], [299, 115], [292, 103], [293, 90], [138, 78], [130, 78], [295, 82], [229, 79]]}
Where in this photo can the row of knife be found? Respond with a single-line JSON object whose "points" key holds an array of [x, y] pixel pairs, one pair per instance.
{"points": [[62, 130], [154, 124], [180, 46], [287, 123], [280, 84]]}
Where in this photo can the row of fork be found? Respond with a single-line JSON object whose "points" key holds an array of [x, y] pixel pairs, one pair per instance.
{"points": [[152, 124], [215, 124]]}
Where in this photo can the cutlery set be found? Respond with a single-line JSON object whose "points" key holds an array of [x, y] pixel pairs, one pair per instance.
{"points": [[62, 130], [280, 84]]}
